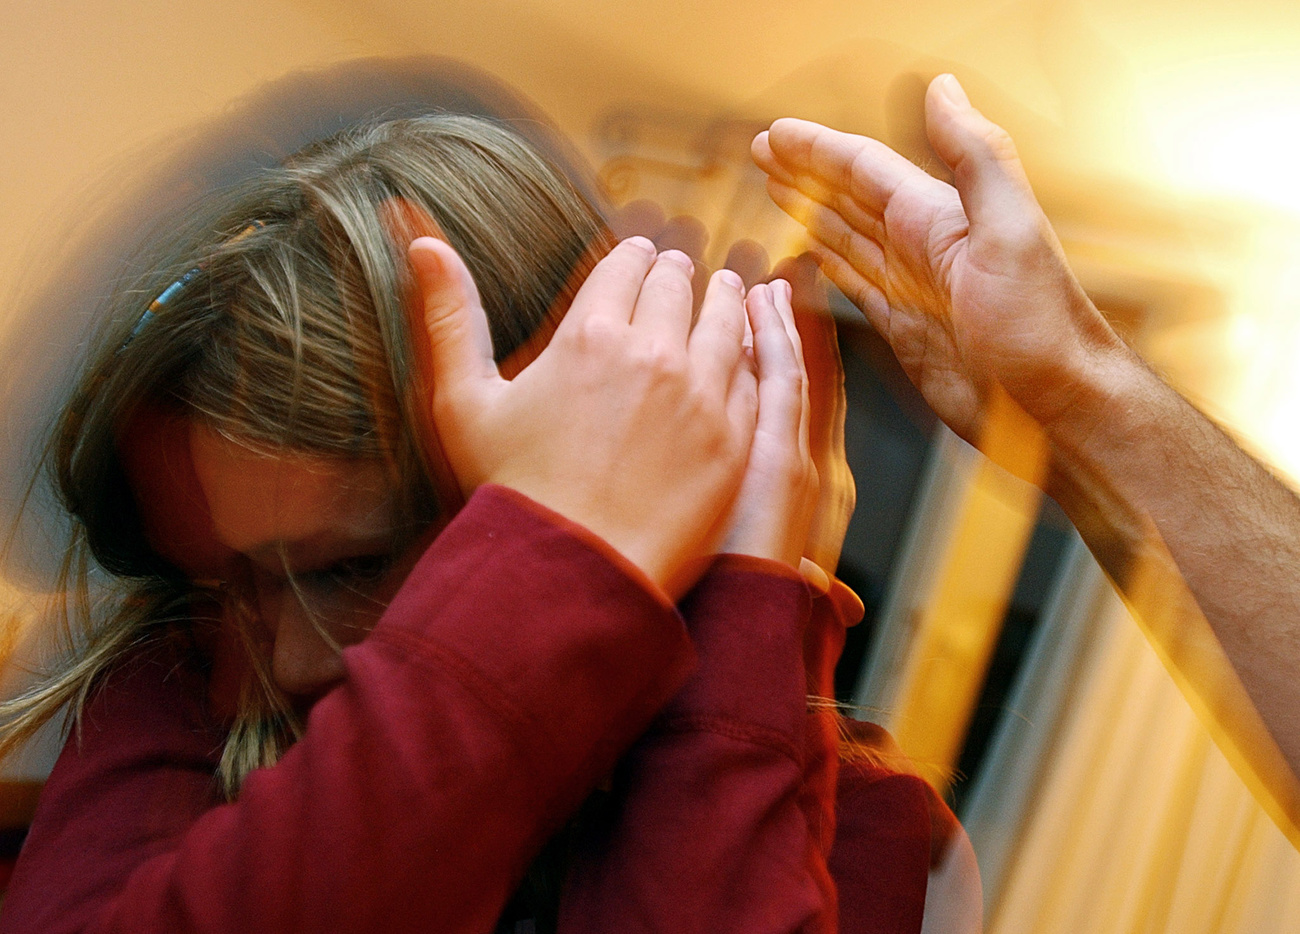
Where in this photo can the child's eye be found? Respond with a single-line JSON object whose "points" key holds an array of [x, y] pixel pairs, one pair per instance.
{"points": [[364, 569], [350, 573]]}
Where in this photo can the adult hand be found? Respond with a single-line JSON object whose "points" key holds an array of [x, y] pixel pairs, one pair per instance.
{"points": [[630, 422], [775, 504], [970, 287], [968, 284]]}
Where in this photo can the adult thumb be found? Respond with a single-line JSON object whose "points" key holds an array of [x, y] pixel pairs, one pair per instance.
{"points": [[986, 168], [459, 345]]}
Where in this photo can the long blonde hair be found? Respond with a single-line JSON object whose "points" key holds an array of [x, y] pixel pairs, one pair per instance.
{"points": [[289, 332]]}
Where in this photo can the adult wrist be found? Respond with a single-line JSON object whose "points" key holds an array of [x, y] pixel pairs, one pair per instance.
{"points": [[1100, 446], [1089, 390]]}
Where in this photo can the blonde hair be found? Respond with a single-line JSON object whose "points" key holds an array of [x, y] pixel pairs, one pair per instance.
{"points": [[292, 335]]}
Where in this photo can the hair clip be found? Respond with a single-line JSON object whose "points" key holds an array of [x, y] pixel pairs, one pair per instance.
{"points": [[176, 287]]}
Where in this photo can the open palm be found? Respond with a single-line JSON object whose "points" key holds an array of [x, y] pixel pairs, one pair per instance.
{"points": [[968, 284]]}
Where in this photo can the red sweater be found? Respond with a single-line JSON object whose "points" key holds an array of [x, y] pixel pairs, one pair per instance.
{"points": [[520, 660]]}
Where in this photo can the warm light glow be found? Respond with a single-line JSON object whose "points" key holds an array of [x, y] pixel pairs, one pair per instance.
{"points": [[1229, 130], [1259, 342], [1226, 133], [1273, 378]]}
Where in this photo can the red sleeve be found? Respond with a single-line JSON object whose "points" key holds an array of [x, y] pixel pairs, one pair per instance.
{"points": [[709, 832], [892, 830], [518, 660], [823, 641], [881, 859]]}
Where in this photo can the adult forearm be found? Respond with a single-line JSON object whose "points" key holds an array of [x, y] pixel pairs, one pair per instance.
{"points": [[1181, 516], [970, 286]]}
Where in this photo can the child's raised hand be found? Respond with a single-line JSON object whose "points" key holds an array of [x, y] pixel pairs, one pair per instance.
{"points": [[774, 508], [631, 422]]}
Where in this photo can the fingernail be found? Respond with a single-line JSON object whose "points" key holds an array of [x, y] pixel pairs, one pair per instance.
{"points": [[678, 257], [732, 278], [641, 243], [782, 287], [952, 90], [423, 243]]}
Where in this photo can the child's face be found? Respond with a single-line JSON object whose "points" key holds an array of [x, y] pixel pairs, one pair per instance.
{"points": [[314, 540]]}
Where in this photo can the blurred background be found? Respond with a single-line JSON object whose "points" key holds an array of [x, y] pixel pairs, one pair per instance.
{"points": [[1160, 137]]}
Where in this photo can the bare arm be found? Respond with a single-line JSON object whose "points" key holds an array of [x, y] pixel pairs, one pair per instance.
{"points": [[971, 288], [1189, 525]]}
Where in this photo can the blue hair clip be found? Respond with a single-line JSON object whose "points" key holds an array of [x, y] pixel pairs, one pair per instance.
{"points": [[178, 286]]}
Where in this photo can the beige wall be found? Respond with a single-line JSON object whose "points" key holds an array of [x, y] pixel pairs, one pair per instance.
{"points": [[1094, 89]]}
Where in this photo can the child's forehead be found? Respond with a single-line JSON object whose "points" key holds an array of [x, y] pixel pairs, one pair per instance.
{"points": [[262, 502]]}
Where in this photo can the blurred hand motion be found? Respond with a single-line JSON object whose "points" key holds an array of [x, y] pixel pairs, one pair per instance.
{"points": [[929, 264], [969, 285]]}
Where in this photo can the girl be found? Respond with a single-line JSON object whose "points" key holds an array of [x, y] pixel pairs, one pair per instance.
{"points": [[386, 619]]}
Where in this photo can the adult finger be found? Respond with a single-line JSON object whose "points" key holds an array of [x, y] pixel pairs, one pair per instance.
{"points": [[867, 221], [803, 180], [612, 288], [760, 150], [459, 342], [856, 288], [860, 166], [717, 342], [664, 305], [861, 251], [986, 168]]}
